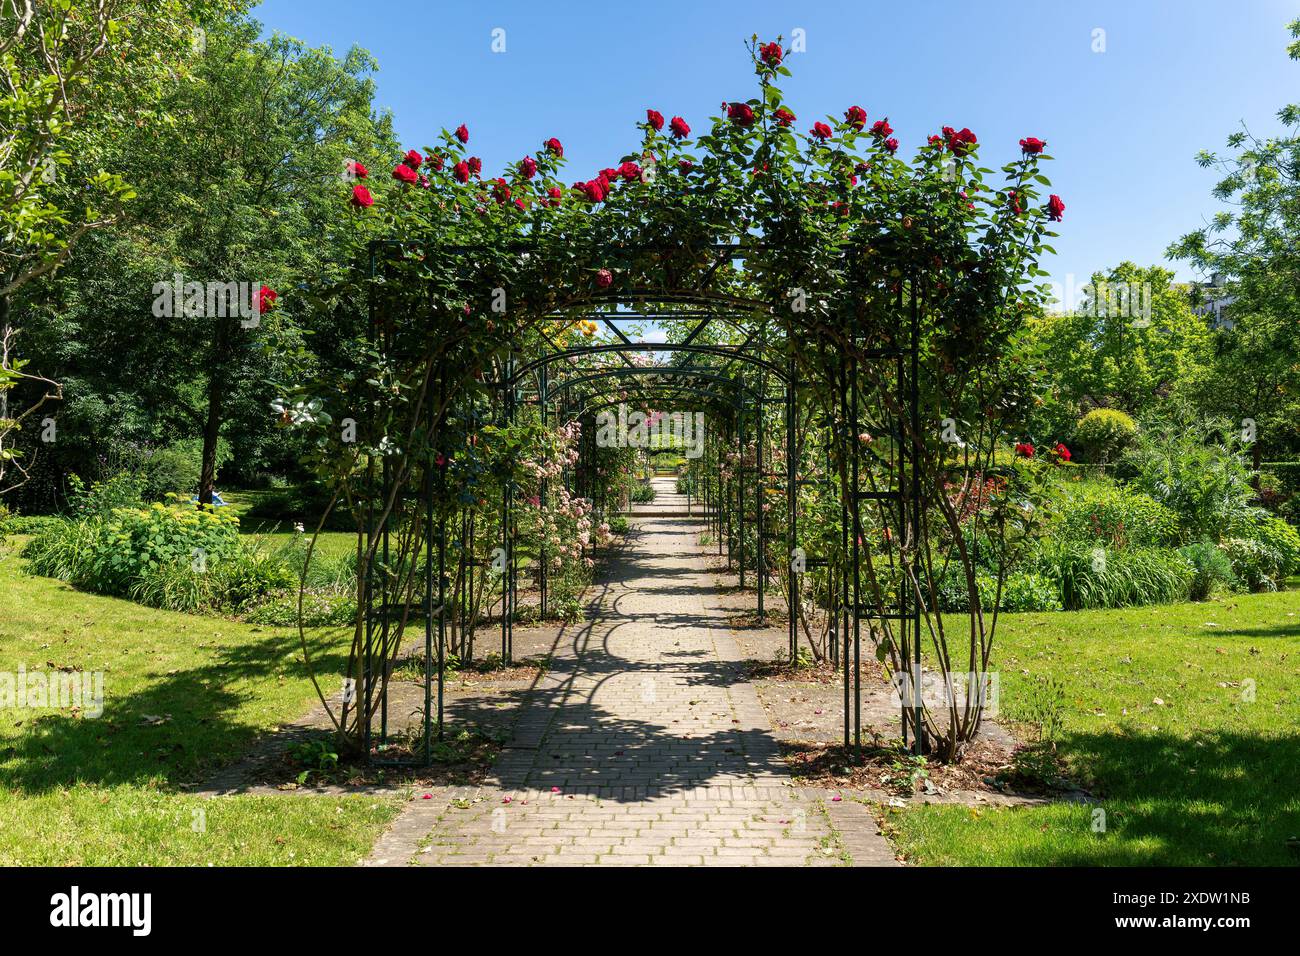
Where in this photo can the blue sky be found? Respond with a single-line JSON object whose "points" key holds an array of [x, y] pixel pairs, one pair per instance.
{"points": [[1124, 125]]}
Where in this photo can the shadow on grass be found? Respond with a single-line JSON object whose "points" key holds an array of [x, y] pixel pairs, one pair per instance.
{"points": [[1218, 798], [176, 730]]}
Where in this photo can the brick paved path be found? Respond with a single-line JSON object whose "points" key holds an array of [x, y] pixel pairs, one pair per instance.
{"points": [[643, 744]]}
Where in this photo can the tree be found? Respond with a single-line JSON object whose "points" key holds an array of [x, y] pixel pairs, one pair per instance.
{"points": [[1253, 377], [1126, 347], [236, 187]]}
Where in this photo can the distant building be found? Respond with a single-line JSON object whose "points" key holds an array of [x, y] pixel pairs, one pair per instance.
{"points": [[1214, 302]]}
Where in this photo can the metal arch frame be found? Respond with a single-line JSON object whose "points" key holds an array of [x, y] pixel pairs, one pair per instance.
{"points": [[718, 498]]}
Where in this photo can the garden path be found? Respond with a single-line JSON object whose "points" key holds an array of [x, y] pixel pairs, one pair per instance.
{"points": [[642, 744]]}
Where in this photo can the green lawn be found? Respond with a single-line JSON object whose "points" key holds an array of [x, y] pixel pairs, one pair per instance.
{"points": [[1204, 776], [182, 695]]}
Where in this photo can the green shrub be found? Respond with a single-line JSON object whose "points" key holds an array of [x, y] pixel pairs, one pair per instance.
{"points": [[1021, 591], [1096, 577], [123, 490], [1195, 471], [618, 525], [1118, 517], [1211, 570], [1254, 562], [1275, 534], [1104, 433], [642, 492], [32, 524], [111, 554]]}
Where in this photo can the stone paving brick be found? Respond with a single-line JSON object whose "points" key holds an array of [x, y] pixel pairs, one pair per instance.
{"points": [[661, 751]]}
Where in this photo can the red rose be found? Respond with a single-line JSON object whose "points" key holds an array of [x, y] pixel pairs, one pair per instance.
{"points": [[357, 170], [604, 278], [361, 197], [500, 191], [1063, 452], [679, 127], [607, 174], [960, 141], [741, 114], [413, 159], [461, 171], [1024, 449], [594, 189], [821, 130], [554, 148], [881, 128], [855, 116], [685, 165], [784, 116], [435, 162], [462, 133], [266, 297], [523, 206], [404, 173], [1013, 200], [630, 171], [555, 194], [771, 53], [655, 119], [891, 144], [935, 140], [528, 167], [1032, 145], [1055, 208], [475, 165]]}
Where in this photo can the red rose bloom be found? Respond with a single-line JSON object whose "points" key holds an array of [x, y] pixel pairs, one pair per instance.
{"points": [[891, 144], [685, 165], [821, 131], [266, 297], [462, 133], [554, 148], [630, 171], [434, 162], [523, 206], [404, 173], [555, 194], [655, 119], [604, 278], [960, 141], [1055, 208], [357, 170], [1032, 145], [771, 53], [741, 114], [361, 197], [528, 167], [855, 116], [475, 165], [679, 127], [1063, 452], [461, 171], [784, 116], [500, 190], [1013, 200], [594, 189], [1024, 449], [935, 140], [881, 128], [413, 159]]}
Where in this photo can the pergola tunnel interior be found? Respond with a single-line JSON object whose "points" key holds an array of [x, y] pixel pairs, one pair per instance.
{"points": [[760, 384]]}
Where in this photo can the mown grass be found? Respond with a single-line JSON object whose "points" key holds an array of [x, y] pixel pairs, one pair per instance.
{"points": [[1159, 724], [182, 695]]}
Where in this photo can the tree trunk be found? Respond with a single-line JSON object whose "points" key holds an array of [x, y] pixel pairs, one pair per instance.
{"points": [[212, 426]]}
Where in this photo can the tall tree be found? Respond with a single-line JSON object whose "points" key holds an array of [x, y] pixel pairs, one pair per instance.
{"points": [[1254, 376]]}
